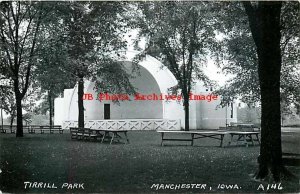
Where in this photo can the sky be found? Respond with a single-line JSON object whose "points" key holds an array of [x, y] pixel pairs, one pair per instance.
{"points": [[211, 69]]}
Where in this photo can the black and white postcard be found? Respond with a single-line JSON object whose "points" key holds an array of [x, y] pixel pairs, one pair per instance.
{"points": [[150, 96]]}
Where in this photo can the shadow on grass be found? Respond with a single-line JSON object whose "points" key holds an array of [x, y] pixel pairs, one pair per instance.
{"points": [[125, 168]]}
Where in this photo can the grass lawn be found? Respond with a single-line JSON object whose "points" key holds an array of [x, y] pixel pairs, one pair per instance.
{"points": [[131, 168]]}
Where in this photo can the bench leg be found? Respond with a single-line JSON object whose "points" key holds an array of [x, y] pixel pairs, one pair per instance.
{"points": [[126, 137], [222, 137], [242, 138], [245, 140], [251, 140], [112, 138], [231, 138], [162, 139], [103, 137], [257, 139], [192, 143]]}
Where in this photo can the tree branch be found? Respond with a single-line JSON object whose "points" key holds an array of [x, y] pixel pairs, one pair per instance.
{"points": [[4, 42], [254, 22], [31, 55]]}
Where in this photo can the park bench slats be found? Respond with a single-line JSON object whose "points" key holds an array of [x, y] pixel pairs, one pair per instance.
{"points": [[12, 129], [83, 133], [8, 128], [52, 129], [33, 128], [104, 134], [44, 128]]}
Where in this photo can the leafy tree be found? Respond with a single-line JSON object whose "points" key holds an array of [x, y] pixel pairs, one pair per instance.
{"points": [[242, 60], [264, 59], [20, 25], [50, 75], [7, 101], [264, 21], [93, 33], [180, 35]]}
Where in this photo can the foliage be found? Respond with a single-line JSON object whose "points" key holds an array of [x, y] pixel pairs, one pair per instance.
{"points": [[180, 34], [88, 42], [7, 101], [241, 59], [20, 25]]}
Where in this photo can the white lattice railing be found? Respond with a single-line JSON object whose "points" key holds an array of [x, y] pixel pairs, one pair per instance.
{"points": [[128, 124]]}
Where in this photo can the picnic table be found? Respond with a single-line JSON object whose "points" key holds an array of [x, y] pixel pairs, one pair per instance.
{"points": [[245, 137], [115, 135], [192, 135], [105, 134], [246, 133]]}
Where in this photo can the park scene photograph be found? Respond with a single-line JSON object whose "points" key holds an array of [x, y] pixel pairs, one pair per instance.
{"points": [[149, 97]]}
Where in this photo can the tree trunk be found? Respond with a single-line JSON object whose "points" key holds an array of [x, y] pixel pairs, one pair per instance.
{"points": [[80, 103], [19, 132], [2, 114], [270, 150], [186, 113], [50, 109], [269, 67], [264, 22], [12, 118]]}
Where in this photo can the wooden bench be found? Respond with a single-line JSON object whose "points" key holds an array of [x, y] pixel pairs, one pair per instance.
{"points": [[192, 135], [3, 130], [12, 128], [7, 128], [83, 133], [33, 128], [104, 134], [74, 132], [52, 129], [26, 127]]}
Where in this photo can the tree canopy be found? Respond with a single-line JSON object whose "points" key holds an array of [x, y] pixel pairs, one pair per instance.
{"points": [[241, 60], [20, 25], [180, 34]]}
